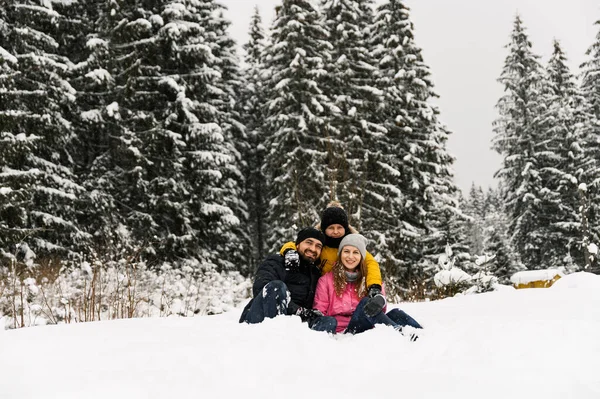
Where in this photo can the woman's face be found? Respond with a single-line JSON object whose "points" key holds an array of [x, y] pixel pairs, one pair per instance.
{"points": [[350, 257], [335, 231]]}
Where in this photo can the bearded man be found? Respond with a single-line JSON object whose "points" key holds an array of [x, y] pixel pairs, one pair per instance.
{"points": [[286, 287]]}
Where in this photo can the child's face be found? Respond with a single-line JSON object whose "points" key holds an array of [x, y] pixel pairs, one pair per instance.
{"points": [[335, 231]]}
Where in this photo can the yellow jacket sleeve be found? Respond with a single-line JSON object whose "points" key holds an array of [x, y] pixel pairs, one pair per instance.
{"points": [[286, 246], [373, 270]]}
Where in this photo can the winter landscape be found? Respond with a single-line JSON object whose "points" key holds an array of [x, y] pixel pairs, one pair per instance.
{"points": [[540, 343], [149, 163]]}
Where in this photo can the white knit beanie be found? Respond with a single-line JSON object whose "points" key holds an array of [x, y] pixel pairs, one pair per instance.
{"points": [[355, 240]]}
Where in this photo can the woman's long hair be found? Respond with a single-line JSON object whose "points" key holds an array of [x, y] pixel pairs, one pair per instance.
{"points": [[339, 278]]}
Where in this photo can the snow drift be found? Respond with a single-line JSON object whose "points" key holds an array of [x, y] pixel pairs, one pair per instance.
{"points": [[536, 343]]}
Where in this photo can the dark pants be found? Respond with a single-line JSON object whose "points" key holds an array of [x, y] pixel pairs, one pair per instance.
{"points": [[361, 322], [273, 301]]}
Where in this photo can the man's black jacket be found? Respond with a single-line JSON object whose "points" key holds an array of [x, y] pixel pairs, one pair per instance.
{"points": [[301, 283]]}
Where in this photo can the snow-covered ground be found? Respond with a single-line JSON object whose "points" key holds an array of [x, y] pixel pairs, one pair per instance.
{"points": [[536, 343]]}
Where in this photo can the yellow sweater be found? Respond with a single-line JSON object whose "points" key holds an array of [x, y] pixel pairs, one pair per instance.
{"points": [[329, 256]]}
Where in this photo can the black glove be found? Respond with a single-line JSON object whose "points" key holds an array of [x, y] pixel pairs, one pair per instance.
{"points": [[374, 289], [291, 260], [308, 315], [376, 301]]}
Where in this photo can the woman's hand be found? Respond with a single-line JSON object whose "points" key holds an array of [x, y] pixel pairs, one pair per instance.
{"points": [[376, 301]]}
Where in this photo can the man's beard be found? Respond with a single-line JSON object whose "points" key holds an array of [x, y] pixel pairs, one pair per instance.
{"points": [[305, 259]]}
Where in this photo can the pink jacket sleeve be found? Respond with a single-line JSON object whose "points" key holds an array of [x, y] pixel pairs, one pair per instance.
{"points": [[322, 295]]}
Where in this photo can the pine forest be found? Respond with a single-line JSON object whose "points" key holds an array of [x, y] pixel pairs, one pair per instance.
{"points": [[149, 163]]}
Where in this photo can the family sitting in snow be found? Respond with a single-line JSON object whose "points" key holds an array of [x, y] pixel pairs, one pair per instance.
{"points": [[326, 277]]}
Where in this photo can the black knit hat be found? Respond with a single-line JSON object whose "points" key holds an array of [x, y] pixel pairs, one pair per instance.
{"points": [[310, 232], [334, 215]]}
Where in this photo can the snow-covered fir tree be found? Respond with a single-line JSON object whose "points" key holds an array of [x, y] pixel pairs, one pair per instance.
{"points": [[412, 177], [223, 47], [496, 240], [389, 223], [591, 75], [590, 86], [350, 84], [487, 235], [209, 165], [39, 192], [475, 206], [295, 126], [561, 163], [518, 139], [252, 101], [96, 126], [149, 169], [168, 162], [452, 229]]}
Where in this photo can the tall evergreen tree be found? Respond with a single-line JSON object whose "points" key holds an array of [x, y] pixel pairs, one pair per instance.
{"points": [[209, 165], [149, 149], [591, 75], [497, 242], [252, 100], [411, 177], [350, 84], [168, 163], [97, 129], [39, 189], [517, 139], [475, 207], [295, 124], [230, 85], [561, 163], [590, 86]]}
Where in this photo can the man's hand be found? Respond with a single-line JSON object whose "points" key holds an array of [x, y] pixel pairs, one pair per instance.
{"points": [[308, 314], [291, 260]]}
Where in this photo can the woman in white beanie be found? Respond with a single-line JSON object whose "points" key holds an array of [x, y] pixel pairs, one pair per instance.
{"points": [[342, 293]]}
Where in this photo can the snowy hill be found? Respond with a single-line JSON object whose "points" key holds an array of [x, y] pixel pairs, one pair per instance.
{"points": [[537, 343]]}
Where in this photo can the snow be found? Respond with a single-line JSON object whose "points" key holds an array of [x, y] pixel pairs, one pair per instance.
{"points": [[91, 116], [96, 43], [483, 259], [528, 276], [141, 23], [47, 9], [536, 343], [5, 55], [99, 75], [27, 254], [449, 277], [157, 20], [212, 157], [112, 109]]}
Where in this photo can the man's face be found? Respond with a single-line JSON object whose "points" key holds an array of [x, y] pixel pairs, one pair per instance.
{"points": [[310, 249]]}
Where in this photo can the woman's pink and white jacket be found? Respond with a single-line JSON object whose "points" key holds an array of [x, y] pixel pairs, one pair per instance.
{"points": [[340, 307]]}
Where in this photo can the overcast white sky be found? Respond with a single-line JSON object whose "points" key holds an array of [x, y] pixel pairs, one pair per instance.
{"points": [[463, 43]]}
